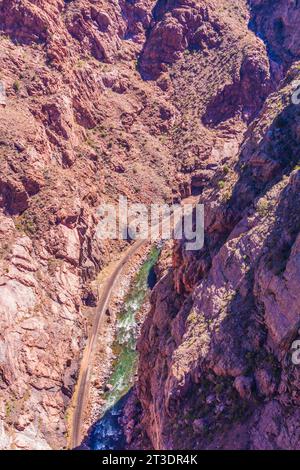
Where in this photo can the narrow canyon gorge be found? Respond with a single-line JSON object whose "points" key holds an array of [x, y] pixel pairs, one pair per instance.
{"points": [[158, 101]]}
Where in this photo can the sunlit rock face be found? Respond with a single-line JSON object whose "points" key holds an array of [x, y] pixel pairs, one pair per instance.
{"points": [[220, 333], [153, 100], [216, 368]]}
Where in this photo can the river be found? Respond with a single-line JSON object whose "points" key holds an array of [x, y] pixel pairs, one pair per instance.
{"points": [[107, 433]]}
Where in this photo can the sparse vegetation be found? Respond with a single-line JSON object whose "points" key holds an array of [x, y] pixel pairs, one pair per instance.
{"points": [[26, 223], [297, 167], [16, 86], [80, 64], [102, 131], [263, 207], [4, 249], [8, 409], [89, 141], [226, 169], [53, 264], [226, 195]]}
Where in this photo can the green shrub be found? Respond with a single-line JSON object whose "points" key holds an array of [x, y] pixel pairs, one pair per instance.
{"points": [[26, 224], [16, 86], [226, 169]]}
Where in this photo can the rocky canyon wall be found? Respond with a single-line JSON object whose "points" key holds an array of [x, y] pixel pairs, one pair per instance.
{"points": [[79, 128], [152, 100], [216, 369]]}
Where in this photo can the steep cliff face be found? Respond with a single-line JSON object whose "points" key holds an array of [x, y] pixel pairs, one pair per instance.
{"points": [[79, 128], [150, 99], [276, 23], [215, 353]]}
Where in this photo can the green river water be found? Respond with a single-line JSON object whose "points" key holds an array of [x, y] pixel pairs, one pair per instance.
{"points": [[106, 434]]}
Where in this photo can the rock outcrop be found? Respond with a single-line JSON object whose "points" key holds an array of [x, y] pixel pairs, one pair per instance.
{"points": [[77, 127], [154, 100], [218, 339], [216, 369]]}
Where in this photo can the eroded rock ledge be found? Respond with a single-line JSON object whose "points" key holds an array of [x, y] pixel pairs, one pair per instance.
{"points": [[153, 100]]}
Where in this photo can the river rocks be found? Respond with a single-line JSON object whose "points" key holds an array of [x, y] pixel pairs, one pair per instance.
{"points": [[108, 388], [97, 383]]}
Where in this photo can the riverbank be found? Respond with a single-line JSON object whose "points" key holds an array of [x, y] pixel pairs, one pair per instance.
{"points": [[130, 314], [120, 327]]}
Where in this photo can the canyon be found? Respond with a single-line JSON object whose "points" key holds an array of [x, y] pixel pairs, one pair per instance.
{"points": [[156, 100]]}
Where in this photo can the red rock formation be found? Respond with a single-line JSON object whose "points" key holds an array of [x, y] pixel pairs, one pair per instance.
{"points": [[75, 131], [218, 338], [141, 98]]}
